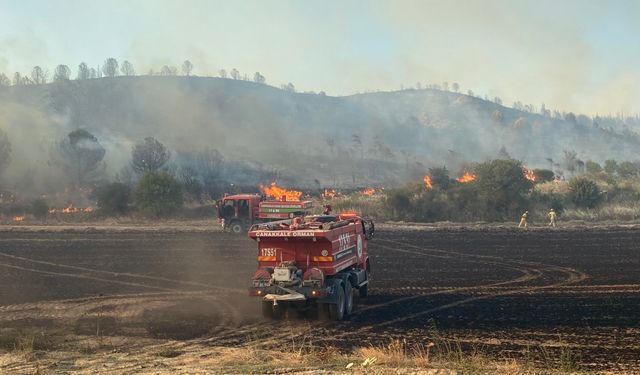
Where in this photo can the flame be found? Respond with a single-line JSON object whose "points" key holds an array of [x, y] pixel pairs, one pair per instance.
{"points": [[70, 210], [529, 174], [466, 177], [369, 191], [275, 191], [427, 181], [329, 194], [18, 218]]}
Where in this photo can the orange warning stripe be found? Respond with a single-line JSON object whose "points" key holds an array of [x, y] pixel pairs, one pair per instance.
{"points": [[266, 259], [322, 259]]}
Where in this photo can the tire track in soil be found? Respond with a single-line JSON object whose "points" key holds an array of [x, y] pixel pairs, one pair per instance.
{"points": [[528, 274], [530, 270], [127, 305]]}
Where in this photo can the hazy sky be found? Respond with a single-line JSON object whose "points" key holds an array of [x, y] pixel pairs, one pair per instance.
{"points": [[581, 55]]}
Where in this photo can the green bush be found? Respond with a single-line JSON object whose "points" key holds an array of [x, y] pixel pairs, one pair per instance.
{"points": [[114, 198], [584, 192], [158, 193], [39, 208], [502, 186]]}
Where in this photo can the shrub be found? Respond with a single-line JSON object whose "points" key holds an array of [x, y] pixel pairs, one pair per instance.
{"points": [[39, 208], [502, 186], [584, 192], [158, 193], [114, 198], [543, 175]]}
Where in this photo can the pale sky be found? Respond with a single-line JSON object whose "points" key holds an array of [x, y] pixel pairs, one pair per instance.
{"points": [[581, 56]]}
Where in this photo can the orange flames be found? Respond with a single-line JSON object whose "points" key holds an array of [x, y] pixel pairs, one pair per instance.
{"points": [[427, 181], [329, 194], [18, 218], [70, 210], [466, 177], [275, 191], [369, 191], [529, 174]]}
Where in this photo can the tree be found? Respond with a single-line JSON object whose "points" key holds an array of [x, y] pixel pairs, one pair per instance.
{"points": [[17, 79], [593, 167], [113, 198], [440, 177], [187, 68], [235, 74], [110, 67], [39, 208], [158, 193], [222, 73], [149, 155], [4, 80], [61, 73], [167, 70], [497, 100], [93, 73], [259, 78], [209, 164], [127, 69], [502, 185], [81, 155], [455, 86], [584, 192], [627, 169], [445, 86], [38, 75], [83, 71], [5, 151], [610, 166], [288, 87], [570, 161]]}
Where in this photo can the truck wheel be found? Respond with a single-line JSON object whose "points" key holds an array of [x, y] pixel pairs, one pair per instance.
{"points": [[336, 310], [236, 228], [348, 298]]}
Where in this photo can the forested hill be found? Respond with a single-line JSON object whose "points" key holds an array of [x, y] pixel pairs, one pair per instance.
{"points": [[359, 139]]}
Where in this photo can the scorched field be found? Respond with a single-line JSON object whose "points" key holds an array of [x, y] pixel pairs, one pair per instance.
{"points": [[509, 293]]}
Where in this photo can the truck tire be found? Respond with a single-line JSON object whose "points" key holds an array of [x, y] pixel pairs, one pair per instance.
{"points": [[236, 227], [348, 298], [336, 310]]}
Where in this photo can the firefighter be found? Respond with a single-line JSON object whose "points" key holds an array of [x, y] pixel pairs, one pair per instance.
{"points": [[523, 220], [327, 209], [552, 217]]}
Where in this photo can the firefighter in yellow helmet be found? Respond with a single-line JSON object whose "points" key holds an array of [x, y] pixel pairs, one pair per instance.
{"points": [[523, 220], [552, 217]]}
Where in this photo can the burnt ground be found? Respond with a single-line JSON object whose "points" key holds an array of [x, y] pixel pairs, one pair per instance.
{"points": [[540, 294]]}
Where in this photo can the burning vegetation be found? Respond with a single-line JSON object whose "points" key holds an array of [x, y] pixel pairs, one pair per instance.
{"points": [[368, 192], [427, 182], [466, 177], [276, 192]]}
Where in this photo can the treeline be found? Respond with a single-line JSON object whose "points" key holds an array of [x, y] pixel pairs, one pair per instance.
{"points": [[112, 68]]}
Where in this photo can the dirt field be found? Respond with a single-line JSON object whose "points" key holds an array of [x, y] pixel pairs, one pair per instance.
{"points": [[570, 295]]}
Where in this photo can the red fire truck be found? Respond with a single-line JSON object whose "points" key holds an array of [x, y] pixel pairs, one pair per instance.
{"points": [[312, 263], [237, 213]]}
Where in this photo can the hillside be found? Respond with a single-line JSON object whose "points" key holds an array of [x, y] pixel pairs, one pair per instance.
{"points": [[264, 132]]}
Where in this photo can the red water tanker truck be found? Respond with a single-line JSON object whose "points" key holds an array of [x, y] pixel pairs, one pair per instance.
{"points": [[312, 263]]}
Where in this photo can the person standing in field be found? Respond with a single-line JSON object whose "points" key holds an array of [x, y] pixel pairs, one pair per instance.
{"points": [[523, 220], [552, 217]]}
